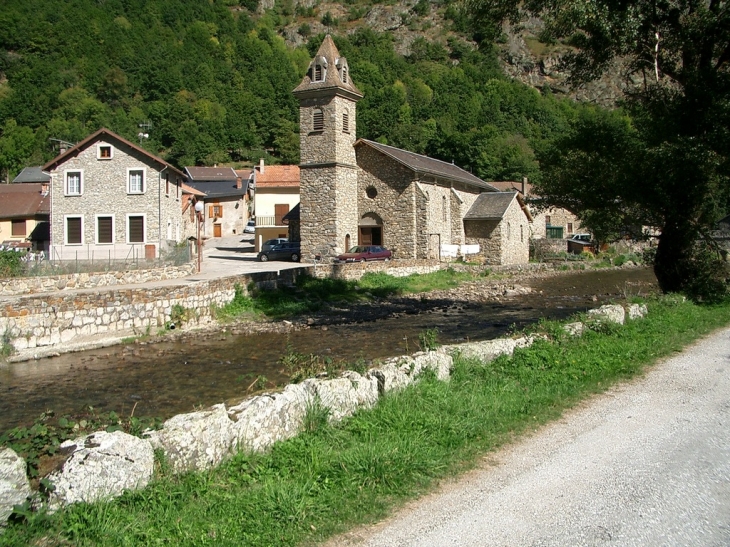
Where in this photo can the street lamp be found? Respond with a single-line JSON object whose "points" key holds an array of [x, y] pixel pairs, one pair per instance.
{"points": [[199, 206]]}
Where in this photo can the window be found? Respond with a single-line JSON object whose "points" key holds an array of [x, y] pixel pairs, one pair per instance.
{"points": [[547, 220], [371, 192], [104, 152], [18, 228], [344, 74], [135, 229], [318, 120], [167, 184], [74, 183], [443, 208], [570, 227], [74, 231], [136, 181], [215, 211], [522, 233], [346, 122], [177, 189], [280, 210], [104, 229]]}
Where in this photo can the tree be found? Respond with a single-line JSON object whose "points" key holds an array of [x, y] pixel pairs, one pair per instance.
{"points": [[16, 147], [676, 173]]}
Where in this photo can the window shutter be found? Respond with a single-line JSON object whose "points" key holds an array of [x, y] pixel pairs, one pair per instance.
{"points": [[318, 120], [136, 229], [346, 122], [73, 230], [104, 229], [18, 228], [210, 211]]}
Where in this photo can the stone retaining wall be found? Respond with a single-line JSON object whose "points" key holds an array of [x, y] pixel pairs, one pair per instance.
{"points": [[103, 465], [396, 268], [53, 283]]}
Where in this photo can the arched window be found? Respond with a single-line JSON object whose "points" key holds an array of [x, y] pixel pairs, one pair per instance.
{"points": [[443, 208], [344, 74], [347, 242], [318, 73], [522, 233], [319, 70], [346, 121], [509, 230], [317, 120]]}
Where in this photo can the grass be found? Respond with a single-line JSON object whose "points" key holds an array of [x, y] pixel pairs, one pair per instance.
{"points": [[312, 294], [334, 477]]}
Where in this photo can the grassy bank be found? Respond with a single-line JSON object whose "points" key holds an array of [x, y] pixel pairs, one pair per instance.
{"points": [[334, 477], [311, 294]]}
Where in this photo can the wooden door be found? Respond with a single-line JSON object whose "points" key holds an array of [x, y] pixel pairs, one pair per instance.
{"points": [[280, 209], [216, 230]]}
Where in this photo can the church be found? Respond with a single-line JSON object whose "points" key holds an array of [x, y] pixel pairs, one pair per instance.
{"points": [[360, 192]]}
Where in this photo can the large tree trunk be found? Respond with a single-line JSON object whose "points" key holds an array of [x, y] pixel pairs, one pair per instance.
{"points": [[673, 262]]}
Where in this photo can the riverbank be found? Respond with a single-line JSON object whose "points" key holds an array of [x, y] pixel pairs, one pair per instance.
{"points": [[333, 477], [169, 316]]}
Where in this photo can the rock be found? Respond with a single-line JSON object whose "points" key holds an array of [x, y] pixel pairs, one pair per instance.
{"points": [[263, 420], [343, 396], [612, 313], [102, 466], [196, 441], [574, 329], [14, 486], [439, 361], [485, 351], [637, 311], [394, 374]]}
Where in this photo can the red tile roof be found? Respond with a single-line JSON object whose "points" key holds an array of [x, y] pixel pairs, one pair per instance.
{"points": [[23, 200], [278, 176]]}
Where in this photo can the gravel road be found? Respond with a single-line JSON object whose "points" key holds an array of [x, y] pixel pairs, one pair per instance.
{"points": [[645, 464]]}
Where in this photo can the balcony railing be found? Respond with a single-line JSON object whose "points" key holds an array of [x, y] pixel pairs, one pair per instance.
{"points": [[272, 220]]}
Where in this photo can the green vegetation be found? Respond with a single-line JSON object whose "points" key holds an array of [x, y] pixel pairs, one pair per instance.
{"points": [[214, 80], [662, 161], [10, 264], [334, 477], [311, 294]]}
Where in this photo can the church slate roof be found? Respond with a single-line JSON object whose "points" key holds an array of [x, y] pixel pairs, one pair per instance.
{"points": [[428, 166], [220, 188], [332, 80], [493, 206]]}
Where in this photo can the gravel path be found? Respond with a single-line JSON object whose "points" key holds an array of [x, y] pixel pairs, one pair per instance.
{"points": [[645, 464]]}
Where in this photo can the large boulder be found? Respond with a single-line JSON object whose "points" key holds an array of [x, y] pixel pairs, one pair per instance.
{"points": [[263, 420], [485, 351], [14, 486], [101, 466], [196, 441], [610, 313], [343, 396]]}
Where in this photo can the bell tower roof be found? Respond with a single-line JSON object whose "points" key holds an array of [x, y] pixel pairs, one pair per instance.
{"points": [[328, 72]]}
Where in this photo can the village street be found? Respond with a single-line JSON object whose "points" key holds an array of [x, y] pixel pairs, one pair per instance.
{"points": [[646, 464]]}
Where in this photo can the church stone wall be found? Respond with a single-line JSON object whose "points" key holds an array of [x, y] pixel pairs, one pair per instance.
{"points": [[515, 234], [395, 201], [488, 235]]}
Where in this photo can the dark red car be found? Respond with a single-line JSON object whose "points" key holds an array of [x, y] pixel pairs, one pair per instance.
{"points": [[362, 253]]}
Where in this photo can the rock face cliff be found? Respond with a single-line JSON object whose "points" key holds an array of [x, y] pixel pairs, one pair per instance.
{"points": [[524, 57]]}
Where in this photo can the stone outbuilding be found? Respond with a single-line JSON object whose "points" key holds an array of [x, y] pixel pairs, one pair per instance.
{"points": [[360, 192]]}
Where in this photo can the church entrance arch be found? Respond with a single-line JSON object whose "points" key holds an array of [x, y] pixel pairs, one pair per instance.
{"points": [[370, 230]]}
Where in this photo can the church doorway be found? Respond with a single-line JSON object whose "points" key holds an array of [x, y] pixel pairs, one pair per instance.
{"points": [[370, 230]]}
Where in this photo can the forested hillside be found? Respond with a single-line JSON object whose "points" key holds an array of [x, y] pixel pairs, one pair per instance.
{"points": [[214, 80]]}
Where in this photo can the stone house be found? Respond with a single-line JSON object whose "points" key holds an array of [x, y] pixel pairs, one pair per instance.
{"points": [[550, 223], [359, 192], [111, 199], [276, 193], [226, 197], [24, 215]]}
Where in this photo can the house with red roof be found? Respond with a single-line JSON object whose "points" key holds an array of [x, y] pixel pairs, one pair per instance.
{"points": [[276, 193]]}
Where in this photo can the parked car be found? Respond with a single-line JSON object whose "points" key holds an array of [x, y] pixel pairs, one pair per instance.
{"points": [[581, 237], [363, 253], [250, 227], [269, 243], [289, 250]]}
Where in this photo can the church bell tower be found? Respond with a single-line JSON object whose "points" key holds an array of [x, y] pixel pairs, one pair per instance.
{"points": [[328, 169]]}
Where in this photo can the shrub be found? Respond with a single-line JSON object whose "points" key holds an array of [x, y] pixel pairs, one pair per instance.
{"points": [[10, 264]]}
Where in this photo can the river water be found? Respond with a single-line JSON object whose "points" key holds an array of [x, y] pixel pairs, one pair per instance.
{"points": [[167, 378]]}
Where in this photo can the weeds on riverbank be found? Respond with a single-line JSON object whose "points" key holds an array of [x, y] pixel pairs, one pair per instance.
{"points": [[311, 294], [336, 476]]}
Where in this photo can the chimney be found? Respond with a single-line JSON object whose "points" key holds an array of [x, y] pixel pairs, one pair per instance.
{"points": [[524, 186], [239, 183], [261, 166]]}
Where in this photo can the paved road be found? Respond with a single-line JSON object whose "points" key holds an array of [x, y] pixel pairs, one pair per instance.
{"points": [[647, 464]]}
